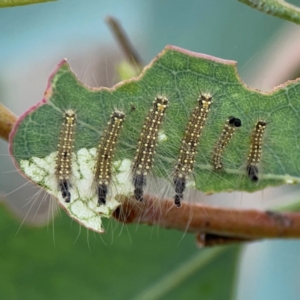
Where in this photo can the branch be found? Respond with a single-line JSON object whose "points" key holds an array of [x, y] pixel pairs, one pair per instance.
{"points": [[7, 121], [277, 8], [124, 43], [212, 224]]}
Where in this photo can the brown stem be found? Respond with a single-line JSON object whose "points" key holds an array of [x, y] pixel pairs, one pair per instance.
{"points": [[7, 120], [124, 42], [213, 225], [223, 222]]}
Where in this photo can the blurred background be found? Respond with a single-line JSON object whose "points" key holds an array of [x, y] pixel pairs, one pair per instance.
{"points": [[63, 260]]}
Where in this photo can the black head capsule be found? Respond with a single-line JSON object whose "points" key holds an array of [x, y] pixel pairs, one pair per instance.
{"points": [[180, 185], [102, 193], [64, 188], [252, 172], [139, 182], [236, 122]]}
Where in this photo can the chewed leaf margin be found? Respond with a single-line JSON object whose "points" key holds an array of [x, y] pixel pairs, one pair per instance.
{"points": [[179, 75]]}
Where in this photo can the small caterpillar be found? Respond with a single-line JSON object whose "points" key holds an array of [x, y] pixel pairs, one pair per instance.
{"points": [[105, 155], [227, 133], [189, 143], [254, 156], [64, 154], [144, 156]]}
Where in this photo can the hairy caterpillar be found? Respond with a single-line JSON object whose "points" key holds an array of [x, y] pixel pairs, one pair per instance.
{"points": [[230, 126], [255, 152], [189, 143], [105, 155], [145, 151], [65, 147]]}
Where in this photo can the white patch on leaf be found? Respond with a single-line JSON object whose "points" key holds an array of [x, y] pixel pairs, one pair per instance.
{"points": [[162, 137], [83, 206], [191, 184]]}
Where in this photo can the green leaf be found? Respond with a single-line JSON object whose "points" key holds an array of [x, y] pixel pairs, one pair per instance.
{"points": [[202, 260], [181, 76], [10, 3], [65, 262]]}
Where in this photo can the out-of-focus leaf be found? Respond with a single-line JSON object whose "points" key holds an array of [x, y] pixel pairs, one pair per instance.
{"points": [[277, 8], [65, 261], [10, 3]]}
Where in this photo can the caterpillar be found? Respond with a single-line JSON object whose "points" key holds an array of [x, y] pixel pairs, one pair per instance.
{"points": [[189, 143], [147, 143], [65, 147], [105, 155], [255, 152], [227, 133]]}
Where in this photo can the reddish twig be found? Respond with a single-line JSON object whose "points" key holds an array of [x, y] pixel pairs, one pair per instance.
{"points": [[219, 223], [213, 225]]}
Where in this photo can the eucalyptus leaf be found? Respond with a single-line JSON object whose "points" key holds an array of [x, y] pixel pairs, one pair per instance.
{"points": [[181, 76]]}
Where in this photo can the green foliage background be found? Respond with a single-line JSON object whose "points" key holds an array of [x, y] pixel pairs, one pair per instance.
{"points": [[65, 261]]}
